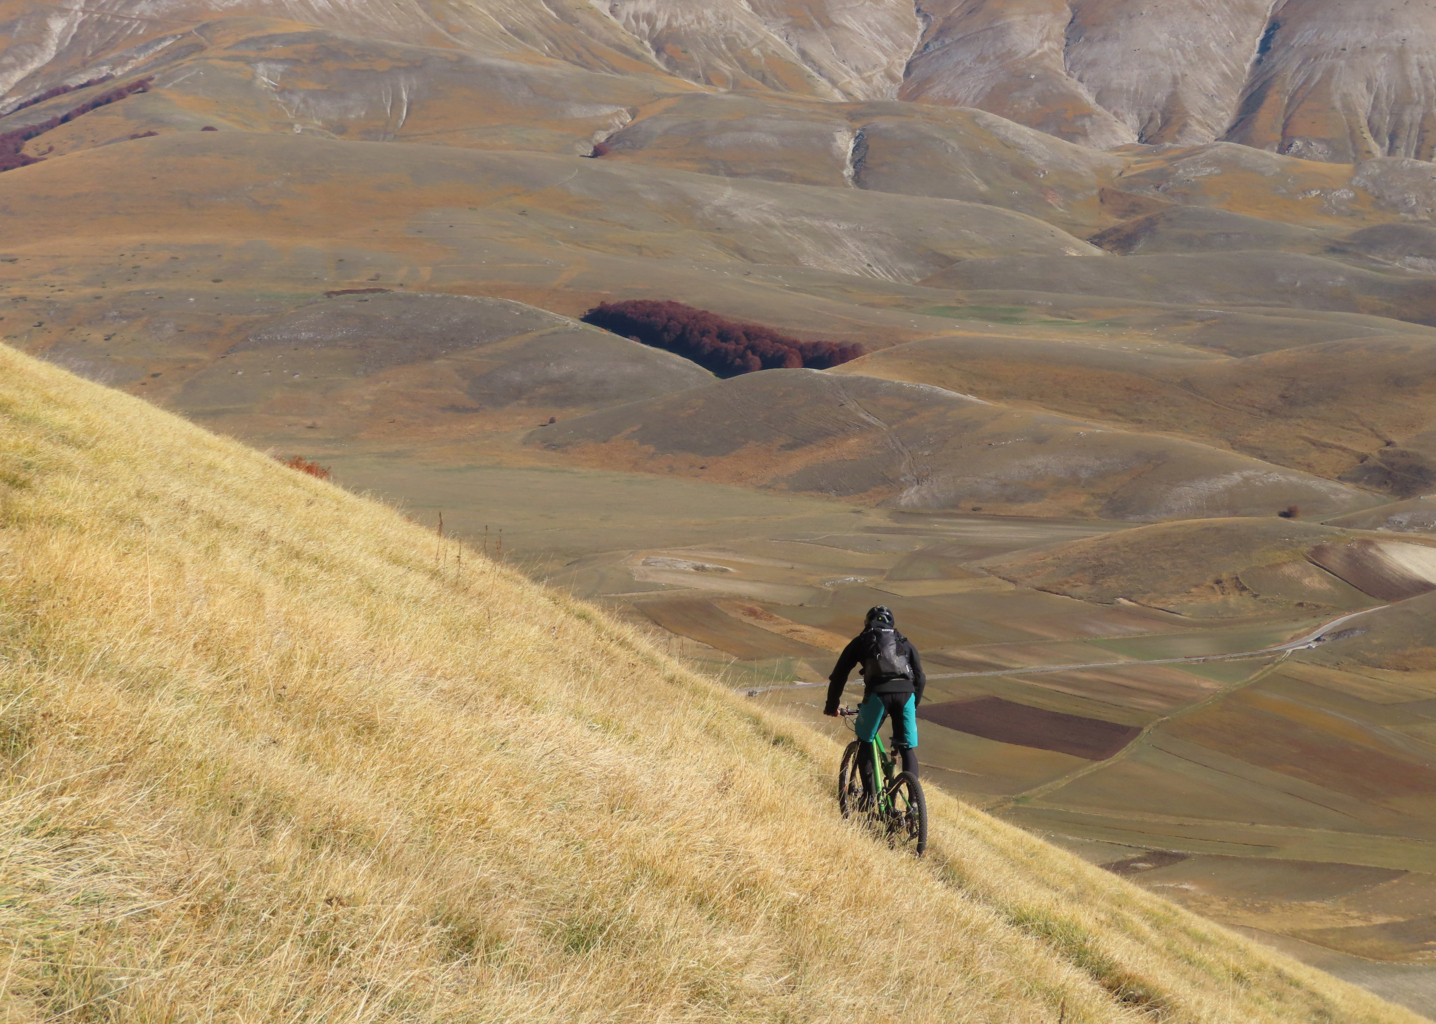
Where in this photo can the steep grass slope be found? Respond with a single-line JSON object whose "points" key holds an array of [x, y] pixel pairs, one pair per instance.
{"points": [[271, 752]]}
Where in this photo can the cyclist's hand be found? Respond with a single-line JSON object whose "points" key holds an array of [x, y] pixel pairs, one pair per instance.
{"points": [[832, 714]]}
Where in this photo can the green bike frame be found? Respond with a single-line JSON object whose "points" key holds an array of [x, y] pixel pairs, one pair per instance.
{"points": [[883, 775], [898, 804]]}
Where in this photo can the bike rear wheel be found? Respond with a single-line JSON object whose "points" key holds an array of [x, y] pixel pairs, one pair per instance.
{"points": [[850, 782], [906, 817]]}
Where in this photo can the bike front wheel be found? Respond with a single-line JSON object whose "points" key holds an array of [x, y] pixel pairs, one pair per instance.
{"points": [[906, 815], [850, 782]]}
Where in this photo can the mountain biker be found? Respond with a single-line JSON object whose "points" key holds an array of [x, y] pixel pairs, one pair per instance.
{"points": [[893, 683]]}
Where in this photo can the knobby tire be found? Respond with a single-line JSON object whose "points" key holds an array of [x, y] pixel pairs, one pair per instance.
{"points": [[906, 822], [850, 782]]}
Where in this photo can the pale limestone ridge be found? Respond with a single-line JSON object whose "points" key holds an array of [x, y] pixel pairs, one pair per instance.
{"points": [[1170, 73], [1321, 79], [1345, 82]]}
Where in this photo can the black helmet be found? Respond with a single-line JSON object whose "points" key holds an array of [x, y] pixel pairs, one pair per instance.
{"points": [[881, 616]]}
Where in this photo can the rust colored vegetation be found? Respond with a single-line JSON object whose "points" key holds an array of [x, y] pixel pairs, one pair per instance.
{"points": [[303, 465], [59, 90], [725, 347], [12, 142]]}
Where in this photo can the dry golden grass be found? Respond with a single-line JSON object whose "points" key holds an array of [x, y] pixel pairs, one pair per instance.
{"points": [[266, 755]]}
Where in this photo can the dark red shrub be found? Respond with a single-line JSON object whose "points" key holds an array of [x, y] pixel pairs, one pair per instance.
{"points": [[600, 149], [144, 135], [1290, 512], [725, 347], [305, 466], [356, 291], [10, 161], [209, 128]]}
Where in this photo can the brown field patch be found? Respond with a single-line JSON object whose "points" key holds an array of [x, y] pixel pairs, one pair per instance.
{"points": [[1301, 582], [764, 619], [1006, 721], [1369, 684], [1328, 750], [1019, 656], [1412, 940], [1268, 879], [705, 622], [1149, 861], [1147, 688], [1369, 569]]}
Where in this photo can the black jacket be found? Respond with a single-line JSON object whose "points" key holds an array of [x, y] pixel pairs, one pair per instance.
{"points": [[858, 652]]}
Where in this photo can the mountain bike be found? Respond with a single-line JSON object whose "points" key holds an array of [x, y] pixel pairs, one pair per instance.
{"points": [[898, 811]]}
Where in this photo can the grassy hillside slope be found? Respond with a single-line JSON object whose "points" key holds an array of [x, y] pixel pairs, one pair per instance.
{"points": [[272, 753]]}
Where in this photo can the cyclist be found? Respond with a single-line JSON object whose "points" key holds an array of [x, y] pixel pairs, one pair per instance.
{"points": [[893, 683]]}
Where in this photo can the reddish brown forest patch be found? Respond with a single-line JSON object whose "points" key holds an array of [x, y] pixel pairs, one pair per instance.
{"points": [[725, 347], [11, 142], [59, 90]]}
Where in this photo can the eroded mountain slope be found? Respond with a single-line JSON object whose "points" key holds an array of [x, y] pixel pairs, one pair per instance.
{"points": [[1316, 78], [1343, 82]]}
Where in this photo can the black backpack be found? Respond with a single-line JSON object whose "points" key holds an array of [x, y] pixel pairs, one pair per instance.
{"points": [[887, 658]]}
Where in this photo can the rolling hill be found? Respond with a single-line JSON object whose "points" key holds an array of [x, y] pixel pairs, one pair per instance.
{"points": [[1355, 409], [923, 447]]}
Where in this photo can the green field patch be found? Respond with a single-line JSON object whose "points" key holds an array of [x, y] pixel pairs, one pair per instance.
{"points": [[989, 314], [1409, 941], [1204, 643], [747, 675], [1227, 672], [1096, 325]]}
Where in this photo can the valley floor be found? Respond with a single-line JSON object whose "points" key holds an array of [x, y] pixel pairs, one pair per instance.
{"points": [[1177, 776]]}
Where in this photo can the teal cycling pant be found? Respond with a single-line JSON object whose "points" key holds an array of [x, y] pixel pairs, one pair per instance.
{"points": [[903, 709]]}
